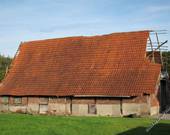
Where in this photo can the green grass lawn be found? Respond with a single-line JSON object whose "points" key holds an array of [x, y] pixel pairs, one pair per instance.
{"points": [[21, 124]]}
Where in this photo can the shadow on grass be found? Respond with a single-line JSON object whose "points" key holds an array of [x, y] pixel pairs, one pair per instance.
{"points": [[159, 129]]}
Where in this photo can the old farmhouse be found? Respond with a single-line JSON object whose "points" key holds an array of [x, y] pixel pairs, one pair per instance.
{"points": [[107, 75]]}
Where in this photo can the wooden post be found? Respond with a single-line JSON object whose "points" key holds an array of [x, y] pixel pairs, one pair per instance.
{"points": [[153, 58]]}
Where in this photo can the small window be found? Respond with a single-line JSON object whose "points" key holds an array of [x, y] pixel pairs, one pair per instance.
{"points": [[43, 108], [92, 109], [5, 100], [17, 100]]}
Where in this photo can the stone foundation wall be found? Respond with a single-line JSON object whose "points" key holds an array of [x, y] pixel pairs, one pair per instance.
{"points": [[139, 105], [154, 104], [79, 106]]}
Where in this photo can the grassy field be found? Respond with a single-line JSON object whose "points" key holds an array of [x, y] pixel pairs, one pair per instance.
{"points": [[20, 124]]}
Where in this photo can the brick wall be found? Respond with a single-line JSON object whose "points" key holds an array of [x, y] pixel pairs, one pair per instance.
{"points": [[82, 106]]}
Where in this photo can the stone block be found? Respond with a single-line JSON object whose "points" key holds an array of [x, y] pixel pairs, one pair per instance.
{"points": [[144, 109], [116, 110], [80, 109], [17, 109], [33, 108], [4, 108], [130, 108], [154, 110], [58, 108], [108, 109]]}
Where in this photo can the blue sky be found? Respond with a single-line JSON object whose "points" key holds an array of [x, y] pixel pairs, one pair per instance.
{"points": [[24, 20]]}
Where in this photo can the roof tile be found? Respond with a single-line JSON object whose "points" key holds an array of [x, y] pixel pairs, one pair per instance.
{"points": [[108, 65]]}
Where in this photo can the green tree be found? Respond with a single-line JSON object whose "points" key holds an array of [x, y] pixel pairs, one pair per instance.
{"points": [[166, 56], [4, 63]]}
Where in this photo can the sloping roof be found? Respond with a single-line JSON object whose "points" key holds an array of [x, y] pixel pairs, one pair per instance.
{"points": [[107, 65]]}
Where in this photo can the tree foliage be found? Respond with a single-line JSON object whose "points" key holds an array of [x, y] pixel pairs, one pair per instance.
{"points": [[4, 63], [166, 56]]}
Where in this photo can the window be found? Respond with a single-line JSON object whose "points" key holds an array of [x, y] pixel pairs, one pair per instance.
{"points": [[43, 108], [92, 109], [5, 100], [17, 100]]}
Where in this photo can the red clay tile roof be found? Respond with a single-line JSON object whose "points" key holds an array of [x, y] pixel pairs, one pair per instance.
{"points": [[107, 65]]}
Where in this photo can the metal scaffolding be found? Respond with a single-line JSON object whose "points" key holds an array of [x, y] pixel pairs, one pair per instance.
{"points": [[157, 49]]}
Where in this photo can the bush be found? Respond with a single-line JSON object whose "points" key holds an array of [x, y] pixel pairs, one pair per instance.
{"points": [[4, 63]]}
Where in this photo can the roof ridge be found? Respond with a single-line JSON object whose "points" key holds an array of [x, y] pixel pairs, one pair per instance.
{"points": [[74, 37]]}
